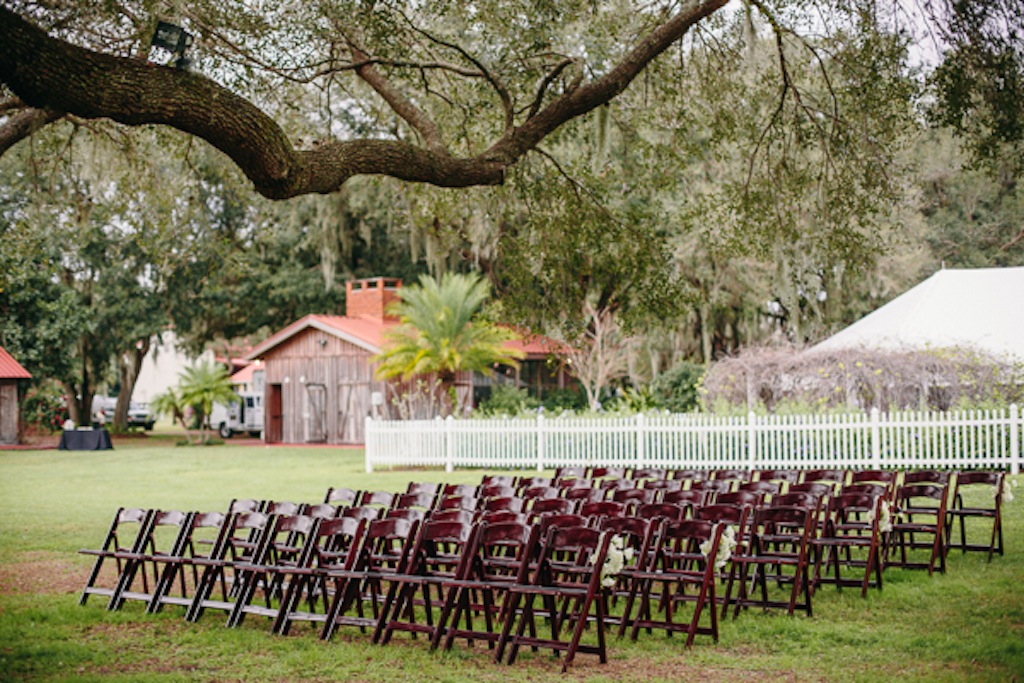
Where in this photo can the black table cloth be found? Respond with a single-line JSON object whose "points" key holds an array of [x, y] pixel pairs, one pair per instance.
{"points": [[85, 440]]}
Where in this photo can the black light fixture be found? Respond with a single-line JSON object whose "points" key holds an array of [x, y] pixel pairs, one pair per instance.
{"points": [[175, 40]]}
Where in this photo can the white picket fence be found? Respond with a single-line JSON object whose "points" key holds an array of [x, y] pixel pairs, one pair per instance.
{"points": [[972, 439]]}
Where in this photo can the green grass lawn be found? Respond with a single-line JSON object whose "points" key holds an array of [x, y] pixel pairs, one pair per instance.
{"points": [[965, 625]]}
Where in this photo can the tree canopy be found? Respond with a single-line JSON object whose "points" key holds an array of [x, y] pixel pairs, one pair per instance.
{"points": [[304, 96]]}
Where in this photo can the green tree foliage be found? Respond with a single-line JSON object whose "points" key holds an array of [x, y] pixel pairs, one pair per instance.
{"points": [[676, 389], [442, 332]]}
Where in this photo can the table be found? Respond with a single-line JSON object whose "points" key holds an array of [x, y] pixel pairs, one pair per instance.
{"points": [[85, 440]]}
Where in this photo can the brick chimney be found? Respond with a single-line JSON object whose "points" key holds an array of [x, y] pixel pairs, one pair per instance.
{"points": [[370, 298]]}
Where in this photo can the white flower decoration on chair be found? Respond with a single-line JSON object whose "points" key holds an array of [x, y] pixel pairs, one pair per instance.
{"points": [[617, 557], [726, 547]]}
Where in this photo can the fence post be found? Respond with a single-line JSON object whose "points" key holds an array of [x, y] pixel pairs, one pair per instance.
{"points": [[751, 441], [1015, 454], [641, 440], [370, 445], [449, 443], [540, 442], [876, 438]]}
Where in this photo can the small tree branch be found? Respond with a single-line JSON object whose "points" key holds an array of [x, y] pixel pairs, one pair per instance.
{"points": [[402, 105], [23, 124]]}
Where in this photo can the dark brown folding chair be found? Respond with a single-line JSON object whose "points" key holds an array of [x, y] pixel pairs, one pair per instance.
{"points": [[688, 500], [240, 541], [341, 496], [690, 475], [777, 476], [660, 511], [539, 491], [580, 494], [510, 503], [523, 483], [499, 480], [334, 545], [414, 501], [286, 547], [682, 558], [547, 506], [663, 485], [712, 487], [632, 498], [832, 476], [431, 488], [766, 489], [736, 475], [570, 472], [383, 554], [126, 534], [164, 538], [852, 524], [501, 551], [201, 535], [595, 509], [778, 540], [442, 554], [569, 588], [458, 502], [647, 474], [920, 511], [380, 499], [465, 490], [496, 491], [991, 485]]}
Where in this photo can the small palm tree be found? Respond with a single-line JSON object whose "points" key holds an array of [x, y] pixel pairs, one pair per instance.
{"points": [[169, 403], [203, 385], [441, 333]]}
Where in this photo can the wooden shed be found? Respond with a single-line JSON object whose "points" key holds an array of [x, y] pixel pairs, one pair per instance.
{"points": [[319, 383], [10, 372]]}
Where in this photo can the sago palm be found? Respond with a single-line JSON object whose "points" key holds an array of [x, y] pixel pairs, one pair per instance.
{"points": [[440, 332]]}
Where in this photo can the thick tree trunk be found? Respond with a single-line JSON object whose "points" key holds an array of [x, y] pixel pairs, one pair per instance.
{"points": [[129, 364]]}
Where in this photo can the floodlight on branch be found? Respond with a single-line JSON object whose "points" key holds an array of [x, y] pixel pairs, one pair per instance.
{"points": [[175, 40]]}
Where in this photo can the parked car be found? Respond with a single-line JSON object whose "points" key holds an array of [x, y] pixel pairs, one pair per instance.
{"points": [[104, 407], [139, 416]]}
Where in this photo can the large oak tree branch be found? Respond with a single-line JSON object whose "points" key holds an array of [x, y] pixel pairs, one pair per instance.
{"points": [[51, 74]]}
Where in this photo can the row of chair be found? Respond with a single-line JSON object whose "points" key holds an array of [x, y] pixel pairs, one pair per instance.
{"points": [[453, 563]]}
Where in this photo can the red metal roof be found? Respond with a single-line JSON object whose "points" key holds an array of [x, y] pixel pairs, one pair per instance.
{"points": [[369, 334], [244, 376], [10, 368]]}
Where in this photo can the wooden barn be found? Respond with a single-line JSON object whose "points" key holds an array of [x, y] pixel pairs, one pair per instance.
{"points": [[319, 383], [10, 372]]}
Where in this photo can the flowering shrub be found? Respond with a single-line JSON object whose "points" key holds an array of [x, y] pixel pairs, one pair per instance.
{"points": [[44, 407]]}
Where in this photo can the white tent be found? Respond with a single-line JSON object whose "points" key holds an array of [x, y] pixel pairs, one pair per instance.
{"points": [[981, 308]]}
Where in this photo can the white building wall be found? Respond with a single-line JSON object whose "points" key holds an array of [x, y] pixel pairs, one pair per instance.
{"points": [[162, 366]]}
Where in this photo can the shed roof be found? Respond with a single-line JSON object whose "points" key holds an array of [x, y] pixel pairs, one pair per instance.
{"points": [[10, 368]]}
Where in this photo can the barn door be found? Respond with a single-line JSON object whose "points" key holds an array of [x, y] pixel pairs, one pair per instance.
{"points": [[316, 413], [273, 428], [353, 405]]}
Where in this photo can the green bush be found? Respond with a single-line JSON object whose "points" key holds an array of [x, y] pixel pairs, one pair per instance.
{"points": [[507, 400], [676, 388]]}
